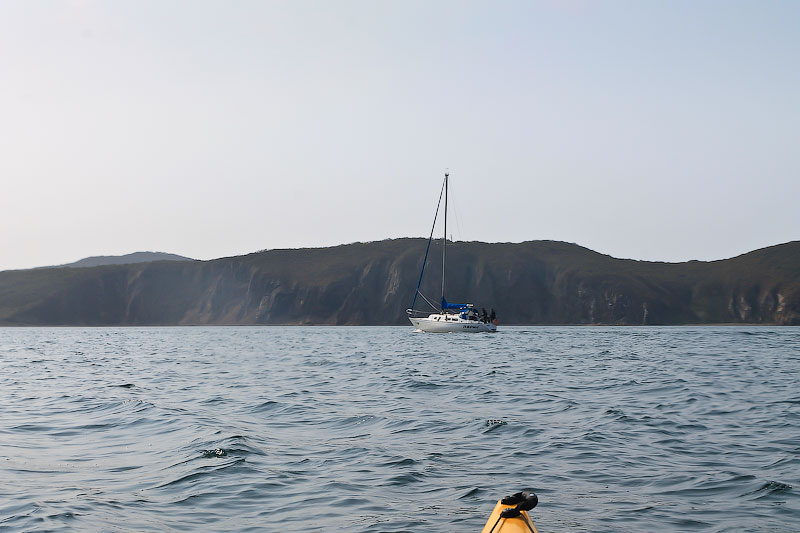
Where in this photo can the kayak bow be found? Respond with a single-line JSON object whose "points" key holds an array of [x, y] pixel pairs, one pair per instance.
{"points": [[510, 515]]}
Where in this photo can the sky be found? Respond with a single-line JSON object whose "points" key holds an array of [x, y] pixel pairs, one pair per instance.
{"points": [[663, 131]]}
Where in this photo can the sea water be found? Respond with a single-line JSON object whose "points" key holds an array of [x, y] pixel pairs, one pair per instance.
{"points": [[624, 429]]}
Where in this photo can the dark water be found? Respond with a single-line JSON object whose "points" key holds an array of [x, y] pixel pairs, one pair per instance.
{"points": [[382, 429]]}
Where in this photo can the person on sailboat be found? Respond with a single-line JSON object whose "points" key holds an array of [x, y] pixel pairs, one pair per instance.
{"points": [[484, 315], [492, 316]]}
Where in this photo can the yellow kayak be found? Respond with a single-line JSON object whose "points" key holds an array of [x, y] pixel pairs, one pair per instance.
{"points": [[510, 515]]}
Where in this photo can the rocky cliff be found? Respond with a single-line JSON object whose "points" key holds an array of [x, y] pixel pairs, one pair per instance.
{"points": [[538, 282]]}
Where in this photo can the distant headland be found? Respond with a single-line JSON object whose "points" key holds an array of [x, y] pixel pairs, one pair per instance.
{"points": [[136, 257], [534, 282]]}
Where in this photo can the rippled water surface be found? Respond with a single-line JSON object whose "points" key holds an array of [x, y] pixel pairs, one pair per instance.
{"points": [[382, 429]]}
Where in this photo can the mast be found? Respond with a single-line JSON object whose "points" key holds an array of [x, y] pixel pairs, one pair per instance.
{"points": [[444, 237]]}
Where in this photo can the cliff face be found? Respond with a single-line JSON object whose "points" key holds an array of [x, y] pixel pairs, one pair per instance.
{"points": [[539, 282]]}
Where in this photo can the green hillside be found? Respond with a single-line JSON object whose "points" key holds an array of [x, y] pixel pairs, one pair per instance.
{"points": [[537, 282]]}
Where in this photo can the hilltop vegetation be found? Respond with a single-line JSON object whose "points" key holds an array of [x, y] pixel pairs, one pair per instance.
{"points": [[537, 282]]}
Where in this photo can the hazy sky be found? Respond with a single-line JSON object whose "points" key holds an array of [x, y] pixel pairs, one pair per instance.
{"points": [[642, 129]]}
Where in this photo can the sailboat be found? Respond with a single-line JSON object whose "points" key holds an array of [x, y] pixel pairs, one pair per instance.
{"points": [[450, 317]]}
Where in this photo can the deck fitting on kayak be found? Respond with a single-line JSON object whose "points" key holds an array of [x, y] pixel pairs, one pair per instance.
{"points": [[510, 515]]}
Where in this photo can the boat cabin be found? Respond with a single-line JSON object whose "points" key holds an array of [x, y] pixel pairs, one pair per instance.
{"points": [[469, 313]]}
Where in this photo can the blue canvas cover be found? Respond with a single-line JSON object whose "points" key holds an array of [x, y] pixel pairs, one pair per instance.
{"points": [[446, 305]]}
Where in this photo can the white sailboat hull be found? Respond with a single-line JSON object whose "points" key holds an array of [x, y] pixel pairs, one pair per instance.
{"points": [[441, 323]]}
